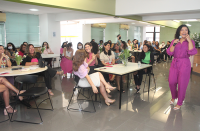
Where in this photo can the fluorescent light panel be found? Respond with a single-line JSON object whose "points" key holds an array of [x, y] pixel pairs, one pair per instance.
{"points": [[176, 21], [188, 24], [33, 9], [189, 20]]}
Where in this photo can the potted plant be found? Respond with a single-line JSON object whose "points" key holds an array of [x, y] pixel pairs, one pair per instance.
{"points": [[100, 47], [42, 50], [124, 56], [196, 38], [18, 58]]}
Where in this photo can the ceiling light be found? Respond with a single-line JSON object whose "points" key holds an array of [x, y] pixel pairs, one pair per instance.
{"points": [[33, 9], [132, 23], [162, 26], [143, 22], [190, 20], [188, 25], [102, 24], [176, 21]]}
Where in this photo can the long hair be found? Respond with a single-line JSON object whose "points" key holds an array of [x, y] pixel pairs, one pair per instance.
{"points": [[157, 45], [64, 45], [20, 49], [143, 53], [27, 51], [115, 49], [179, 30], [81, 45], [95, 47], [78, 59], [86, 51], [47, 45], [109, 52], [125, 45], [13, 46], [69, 45]]}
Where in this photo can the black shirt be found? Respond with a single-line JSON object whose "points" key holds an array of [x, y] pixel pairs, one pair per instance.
{"points": [[28, 58]]}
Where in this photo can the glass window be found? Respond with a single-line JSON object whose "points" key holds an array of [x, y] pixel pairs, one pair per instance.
{"points": [[157, 29], [149, 29], [157, 36], [149, 36]]}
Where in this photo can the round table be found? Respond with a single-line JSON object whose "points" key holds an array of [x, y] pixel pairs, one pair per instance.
{"points": [[19, 72]]}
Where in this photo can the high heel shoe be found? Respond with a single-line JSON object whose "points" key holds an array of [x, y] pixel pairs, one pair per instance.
{"points": [[6, 112], [108, 90], [108, 103]]}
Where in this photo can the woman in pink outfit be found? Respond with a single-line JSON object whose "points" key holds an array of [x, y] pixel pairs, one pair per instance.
{"points": [[181, 48], [66, 62], [47, 51]]}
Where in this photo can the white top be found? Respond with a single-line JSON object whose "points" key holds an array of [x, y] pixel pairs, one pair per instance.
{"points": [[68, 53], [50, 55], [120, 69], [107, 58], [21, 72]]}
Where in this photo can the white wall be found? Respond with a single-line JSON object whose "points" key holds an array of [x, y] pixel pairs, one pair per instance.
{"points": [[131, 7], [48, 25], [86, 33]]}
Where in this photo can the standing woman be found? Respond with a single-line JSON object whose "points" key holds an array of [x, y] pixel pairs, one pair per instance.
{"points": [[79, 45], [62, 47], [66, 62], [47, 51], [180, 67]]}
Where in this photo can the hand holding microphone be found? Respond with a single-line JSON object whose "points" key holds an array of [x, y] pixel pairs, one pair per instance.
{"points": [[177, 40]]}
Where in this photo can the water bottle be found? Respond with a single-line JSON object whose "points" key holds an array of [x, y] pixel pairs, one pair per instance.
{"points": [[139, 64]]}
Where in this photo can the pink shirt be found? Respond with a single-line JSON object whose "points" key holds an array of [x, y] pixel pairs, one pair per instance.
{"points": [[47, 51], [82, 70], [34, 60], [181, 50], [90, 57]]}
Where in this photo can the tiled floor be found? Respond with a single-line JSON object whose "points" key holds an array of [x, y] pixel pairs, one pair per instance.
{"points": [[140, 112]]}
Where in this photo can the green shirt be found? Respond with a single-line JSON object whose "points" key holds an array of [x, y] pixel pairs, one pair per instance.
{"points": [[147, 58], [118, 42]]}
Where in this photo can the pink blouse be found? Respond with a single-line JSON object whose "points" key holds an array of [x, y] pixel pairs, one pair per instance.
{"points": [[82, 70], [90, 57], [47, 51], [181, 50]]}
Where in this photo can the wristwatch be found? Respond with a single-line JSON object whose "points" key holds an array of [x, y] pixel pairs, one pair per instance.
{"points": [[174, 44]]}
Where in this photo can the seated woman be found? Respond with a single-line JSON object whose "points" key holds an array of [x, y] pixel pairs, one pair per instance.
{"points": [[94, 80], [32, 58], [146, 57], [107, 58], [66, 62], [22, 50], [91, 58], [10, 52], [47, 51], [4, 88], [79, 45]]}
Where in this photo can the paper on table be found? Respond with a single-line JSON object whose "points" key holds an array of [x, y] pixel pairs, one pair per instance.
{"points": [[25, 69], [33, 67], [5, 72]]}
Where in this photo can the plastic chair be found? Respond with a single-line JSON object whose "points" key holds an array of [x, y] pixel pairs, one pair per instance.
{"points": [[33, 92], [89, 98]]}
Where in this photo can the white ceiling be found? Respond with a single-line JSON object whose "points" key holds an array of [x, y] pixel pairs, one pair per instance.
{"points": [[7, 6]]}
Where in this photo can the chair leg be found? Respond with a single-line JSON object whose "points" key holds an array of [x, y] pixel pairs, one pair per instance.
{"points": [[38, 113], [50, 101], [154, 81], [70, 100], [145, 82], [92, 101]]}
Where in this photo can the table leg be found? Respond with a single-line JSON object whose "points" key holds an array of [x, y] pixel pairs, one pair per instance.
{"points": [[149, 82], [128, 81], [120, 92]]}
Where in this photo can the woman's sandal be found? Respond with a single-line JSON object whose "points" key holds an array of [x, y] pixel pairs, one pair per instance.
{"points": [[21, 97], [176, 108], [171, 102], [9, 109], [108, 103], [50, 93]]}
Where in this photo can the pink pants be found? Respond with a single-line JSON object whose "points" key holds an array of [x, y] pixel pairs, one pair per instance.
{"points": [[179, 73]]}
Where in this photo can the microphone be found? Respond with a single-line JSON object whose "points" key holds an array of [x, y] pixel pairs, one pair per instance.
{"points": [[179, 40]]}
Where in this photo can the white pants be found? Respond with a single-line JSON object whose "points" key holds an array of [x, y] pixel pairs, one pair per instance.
{"points": [[95, 79]]}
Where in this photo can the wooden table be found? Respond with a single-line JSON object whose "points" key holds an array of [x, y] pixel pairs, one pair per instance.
{"points": [[19, 72], [50, 56], [121, 70]]}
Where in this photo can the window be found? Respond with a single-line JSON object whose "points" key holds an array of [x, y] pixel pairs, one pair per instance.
{"points": [[137, 33], [153, 33]]}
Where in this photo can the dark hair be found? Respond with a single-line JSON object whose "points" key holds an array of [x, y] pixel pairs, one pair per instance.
{"points": [[20, 49], [143, 53], [64, 45], [128, 40], [169, 41], [28, 46], [109, 52], [145, 42], [95, 47], [179, 29], [118, 35], [47, 44], [115, 49], [92, 40], [101, 41], [86, 51], [2, 46], [69, 45], [157, 45], [81, 45], [12, 46], [125, 45]]}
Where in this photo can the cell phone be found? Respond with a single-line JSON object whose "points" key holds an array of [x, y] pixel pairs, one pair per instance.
{"points": [[18, 68]]}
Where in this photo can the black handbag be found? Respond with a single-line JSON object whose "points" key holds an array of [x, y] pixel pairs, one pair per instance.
{"points": [[41, 62]]}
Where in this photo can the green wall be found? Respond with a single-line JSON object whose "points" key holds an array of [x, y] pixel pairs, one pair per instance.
{"points": [[194, 28], [111, 32], [166, 34]]}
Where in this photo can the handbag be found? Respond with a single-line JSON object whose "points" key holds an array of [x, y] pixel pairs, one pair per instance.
{"points": [[41, 62]]}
